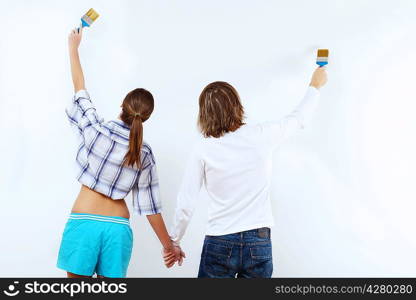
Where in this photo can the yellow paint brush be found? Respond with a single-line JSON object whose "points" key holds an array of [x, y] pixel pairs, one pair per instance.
{"points": [[322, 57], [89, 18]]}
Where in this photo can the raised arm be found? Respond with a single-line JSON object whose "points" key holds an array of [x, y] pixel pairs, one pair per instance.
{"points": [[81, 111], [74, 40], [276, 131]]}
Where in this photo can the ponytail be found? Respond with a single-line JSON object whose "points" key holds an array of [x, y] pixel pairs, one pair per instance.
{"points": [[133, 156], [136, 108]]}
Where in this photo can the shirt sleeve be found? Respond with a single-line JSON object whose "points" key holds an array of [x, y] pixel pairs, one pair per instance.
{"points": [[188, 196], [146, 195], [276, 131], [82, 114]]}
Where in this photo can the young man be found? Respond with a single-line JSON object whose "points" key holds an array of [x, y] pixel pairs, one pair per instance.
{"points": [[234, 161]]}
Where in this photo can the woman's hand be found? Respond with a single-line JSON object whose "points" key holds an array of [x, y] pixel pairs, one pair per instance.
{"points": [[74, 38], [172, 255], [171, 251]]}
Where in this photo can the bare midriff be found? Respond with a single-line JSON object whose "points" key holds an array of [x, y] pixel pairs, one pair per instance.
{"points": [[92, 202]]}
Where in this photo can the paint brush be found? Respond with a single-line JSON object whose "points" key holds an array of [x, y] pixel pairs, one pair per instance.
{"points": [[89, 18], [322, 57]]}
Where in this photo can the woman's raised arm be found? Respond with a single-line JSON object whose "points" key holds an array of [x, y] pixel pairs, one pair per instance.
{"points": [[74, 39]]}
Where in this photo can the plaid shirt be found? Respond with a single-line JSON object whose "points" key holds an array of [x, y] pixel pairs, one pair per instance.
{"points": [[102, 147]]}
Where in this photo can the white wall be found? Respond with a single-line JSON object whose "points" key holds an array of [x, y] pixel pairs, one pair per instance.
{"points": [[343, 190]]}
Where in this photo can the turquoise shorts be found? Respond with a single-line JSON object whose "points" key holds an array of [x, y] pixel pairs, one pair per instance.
{"points": [[96, 244]]}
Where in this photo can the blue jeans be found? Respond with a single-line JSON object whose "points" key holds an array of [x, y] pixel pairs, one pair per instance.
{"points": [[246, 254]]}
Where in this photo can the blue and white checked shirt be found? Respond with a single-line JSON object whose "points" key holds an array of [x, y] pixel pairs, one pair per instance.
{"points": [[102, 147]]}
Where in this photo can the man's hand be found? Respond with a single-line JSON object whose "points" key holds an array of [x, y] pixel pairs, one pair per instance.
{"points": [[319, 78], [172, 255], [74, 38]]}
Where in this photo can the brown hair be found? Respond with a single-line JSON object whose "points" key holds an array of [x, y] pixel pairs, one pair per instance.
{"points": [[220, 109], [136, 108]]}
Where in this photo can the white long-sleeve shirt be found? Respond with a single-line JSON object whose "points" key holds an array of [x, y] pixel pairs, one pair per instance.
{"points": [[236, 170]]}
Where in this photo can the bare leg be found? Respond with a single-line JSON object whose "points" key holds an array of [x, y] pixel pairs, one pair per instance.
{"points": [[72, 275]]}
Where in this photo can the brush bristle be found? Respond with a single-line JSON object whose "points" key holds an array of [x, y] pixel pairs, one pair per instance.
{"points": [[323, 53], [89, 17], [92, 14]]}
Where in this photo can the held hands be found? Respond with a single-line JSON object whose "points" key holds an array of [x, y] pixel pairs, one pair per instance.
{"points": [[171, 251], [172, 255], [74, 38], [319, 77]]}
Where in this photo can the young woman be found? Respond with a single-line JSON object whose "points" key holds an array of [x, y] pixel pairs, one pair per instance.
{"points": [[112, 160], [234, 161]]}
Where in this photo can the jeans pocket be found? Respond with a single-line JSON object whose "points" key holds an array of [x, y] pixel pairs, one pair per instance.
{"points": [[217, 258], [219, 250], [261, 252], [261, 261]]}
